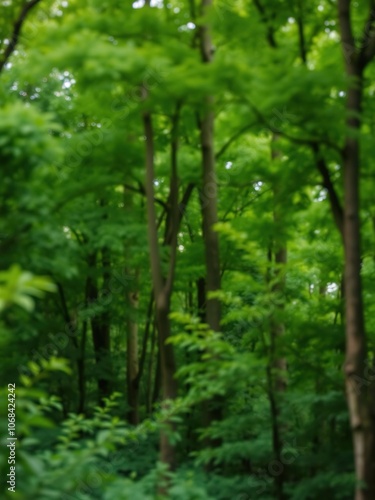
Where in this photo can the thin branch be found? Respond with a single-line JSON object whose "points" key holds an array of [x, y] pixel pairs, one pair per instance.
{"points": [[160, 219], [234, 137], [297, 140], [367, 44], [173, 219], [146, 335], [16, 32], [266, 20], [184, 201], [337, 210], [245, 205], [141, 190], [321, 165], [85, 190], [77, 235]]}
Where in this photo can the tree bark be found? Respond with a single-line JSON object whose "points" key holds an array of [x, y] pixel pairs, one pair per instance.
{"points": [[81, 370], [149, 394], [79, 348], [360, 393], [276, 370], [132, 366], [209, 190], [100, 327], [162, 288], [82, 361], [132, 302], [157, 380], [201, 299], [212, 409], [143, 355], [277, 363], [209, 219]]}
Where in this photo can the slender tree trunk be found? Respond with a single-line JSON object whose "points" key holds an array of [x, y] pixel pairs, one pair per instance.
{"points": [[100, 328], [157, 381], [359, 391], [142, 359], [162, 288], [149, 401], [277, 324], [82, 359], [132, 302], [213, 409], [79, 348], [360, 396], [277, 363], [81, 370], [209, 192], [276, 369], [201, 298], [132, 367]]}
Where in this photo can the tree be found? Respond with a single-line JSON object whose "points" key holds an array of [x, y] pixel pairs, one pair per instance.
{"points": [[360, 400], [188, 175]]}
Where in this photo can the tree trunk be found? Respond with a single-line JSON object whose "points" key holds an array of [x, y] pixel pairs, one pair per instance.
{"points": [[162, 288], [132, 302], [152, 357], [277, 363], [201, 299], [212, 409], [359, 395], [79, 348], [100, 327], [359, 391], [276, 369], [132, 367], [209, 193], [157, 381], [81, 370]]}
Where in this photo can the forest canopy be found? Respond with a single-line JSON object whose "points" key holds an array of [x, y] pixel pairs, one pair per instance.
{"points": [[187, 249]]}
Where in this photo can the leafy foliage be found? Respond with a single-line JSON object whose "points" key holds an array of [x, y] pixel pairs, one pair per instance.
{"points": [[73, 95]]}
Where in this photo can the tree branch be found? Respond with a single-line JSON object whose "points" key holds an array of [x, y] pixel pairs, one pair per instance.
{"points": [[16, 32], [233, 139], [265, 19], [301, 34], [321, 165], [184, 202], [141, 190], [367, 46], [297, 140], [337, 210]]}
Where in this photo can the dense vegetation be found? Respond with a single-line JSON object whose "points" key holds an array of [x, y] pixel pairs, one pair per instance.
{"points": [[187, 267]]}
